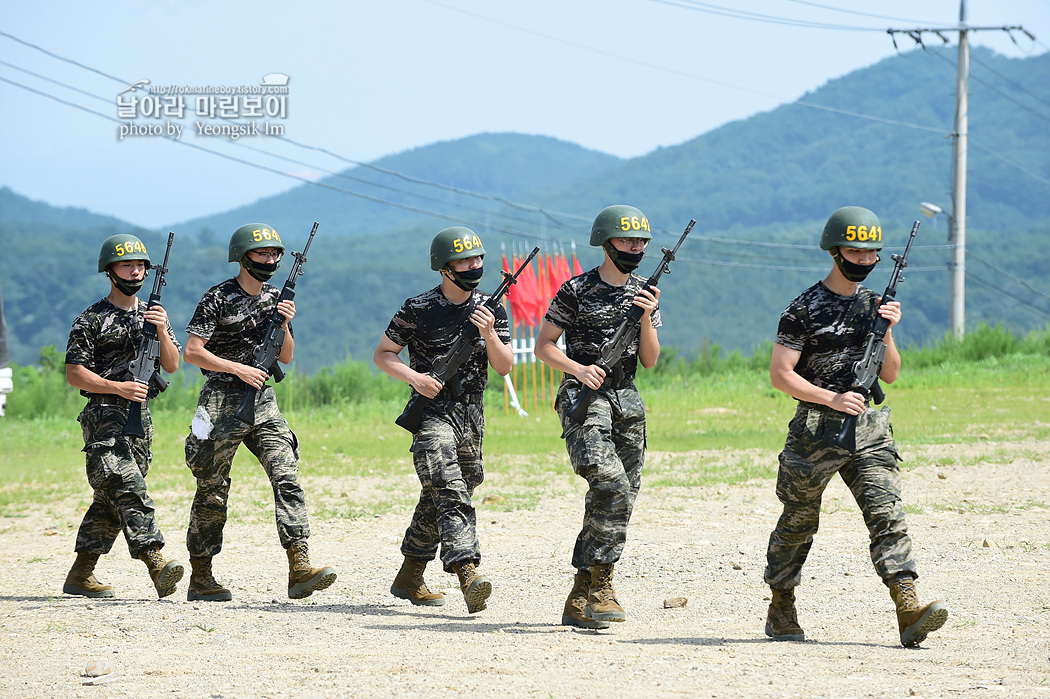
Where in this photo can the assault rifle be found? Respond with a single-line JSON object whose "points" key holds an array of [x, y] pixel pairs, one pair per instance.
{"points": [[145, 368], [447, 366], [866, 371], [612, 349], [265, 355]]}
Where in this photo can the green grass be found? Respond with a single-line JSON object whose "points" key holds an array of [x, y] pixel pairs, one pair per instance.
{"points": [[710, 421]]}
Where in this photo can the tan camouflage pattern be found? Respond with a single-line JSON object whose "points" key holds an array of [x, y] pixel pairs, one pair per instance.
{"points": [[831, 331], [106, 339], [210, 461], [589, 311], [232, 323], [608, 451], [116, 471], [447, 454]]}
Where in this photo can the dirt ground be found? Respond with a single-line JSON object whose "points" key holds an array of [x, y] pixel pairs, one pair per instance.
{"points": [[979, 523]]}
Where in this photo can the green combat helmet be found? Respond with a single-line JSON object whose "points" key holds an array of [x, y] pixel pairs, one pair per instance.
{"points": [[252, 236], [852, 227], [121, 247], [456, 243], [619, 221]]}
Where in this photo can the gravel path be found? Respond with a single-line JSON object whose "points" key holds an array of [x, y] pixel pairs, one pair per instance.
{"points": [[980, 532]]}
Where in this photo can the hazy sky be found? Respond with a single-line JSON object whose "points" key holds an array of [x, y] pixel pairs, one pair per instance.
{"points": [[368, 79]]}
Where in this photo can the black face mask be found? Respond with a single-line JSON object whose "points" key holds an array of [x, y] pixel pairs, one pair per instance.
{"points": [[468, 280], [126, 286], [852, 271], [260, 270], [626, 262]]}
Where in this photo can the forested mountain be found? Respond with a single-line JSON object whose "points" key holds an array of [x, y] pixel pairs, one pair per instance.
{"points": [[759, 188]]}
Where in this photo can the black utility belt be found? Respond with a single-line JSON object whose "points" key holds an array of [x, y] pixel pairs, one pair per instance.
{"points": [[108, 399], [805, 404], [466, 398]]}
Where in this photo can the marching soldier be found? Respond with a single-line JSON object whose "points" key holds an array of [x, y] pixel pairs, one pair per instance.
{"points": [[228, 324], [446, 450], [820, 336], [103, 343], [608, 449]]}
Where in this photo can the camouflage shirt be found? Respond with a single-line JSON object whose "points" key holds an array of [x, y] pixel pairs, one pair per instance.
{"points": [[232, 323], [429, 324], [106, 339], [830, 331], [589, 311]]}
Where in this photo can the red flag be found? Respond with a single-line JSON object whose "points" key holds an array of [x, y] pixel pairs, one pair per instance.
{"points": [[553, 280], [564, 273], [530, 293], [576, 271], [514, 295]]}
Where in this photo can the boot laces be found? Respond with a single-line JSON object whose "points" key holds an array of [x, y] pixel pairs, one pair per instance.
{"points": [[301, 553], [906, 595], [153, 558], [204, 577]]}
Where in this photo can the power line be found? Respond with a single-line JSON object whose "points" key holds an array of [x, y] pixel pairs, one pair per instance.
{"points": [[1010, 276], [721, 11], [1007, 294], [854, 12]]}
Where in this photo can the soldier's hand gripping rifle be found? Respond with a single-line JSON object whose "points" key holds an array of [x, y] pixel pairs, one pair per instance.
{"points": [[866, 371], [447, 366], [145, 368], [613, 348], [265, 355]]}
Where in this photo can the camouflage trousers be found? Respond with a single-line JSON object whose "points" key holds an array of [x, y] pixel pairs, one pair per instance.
{"points": [[608, 451], [447, 454], [210, 447], [116, 470], [809, 461]]}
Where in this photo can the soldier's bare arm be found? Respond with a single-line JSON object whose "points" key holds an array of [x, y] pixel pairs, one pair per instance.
{"points": [[648, 339], [169, 353], [80, 377], [387, 357], [784, 378], [549, 353], [197, 355]]}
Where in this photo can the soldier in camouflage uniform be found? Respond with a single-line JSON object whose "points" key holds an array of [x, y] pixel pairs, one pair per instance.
{"points": [[102, 345], [446, 450], [227, 326], [608, 449], [820, 336]]}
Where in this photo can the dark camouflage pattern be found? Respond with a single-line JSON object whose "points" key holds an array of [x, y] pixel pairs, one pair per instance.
{"points": [[232, 322], [105, 339], [116, 470], [588, 310], [429, 324], [608, 451], [447, 454], [809, 462], [210, 460], [830, 331]]}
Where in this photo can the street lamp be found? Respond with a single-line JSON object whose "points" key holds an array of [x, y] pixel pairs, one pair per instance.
{"points": [[957, 288]]}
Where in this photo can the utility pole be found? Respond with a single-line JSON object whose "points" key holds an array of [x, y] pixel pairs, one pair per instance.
{"points": [[957, 217]]}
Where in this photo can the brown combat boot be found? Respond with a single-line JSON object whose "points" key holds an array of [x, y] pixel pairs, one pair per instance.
{"points": [[475, 586], [81, 578], [165, 574], [203, 587], [915, 622], [601, 600], [782, 620], [408, 584], [574, 613], [303, 580]]}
